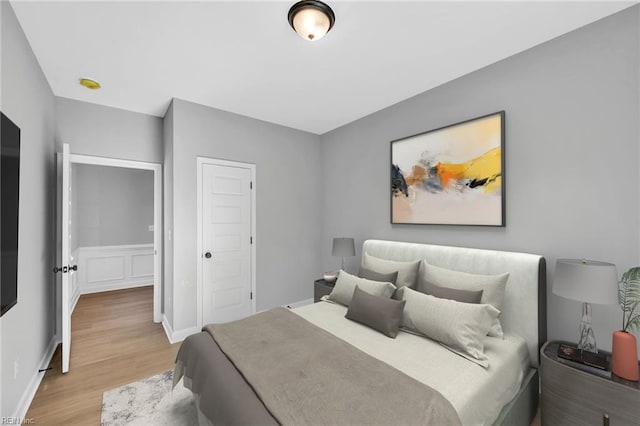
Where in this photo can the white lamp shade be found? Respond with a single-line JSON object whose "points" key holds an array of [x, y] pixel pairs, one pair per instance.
{"points": [[343, 247], [586, 281]]}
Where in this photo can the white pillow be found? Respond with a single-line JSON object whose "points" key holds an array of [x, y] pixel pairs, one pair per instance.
{"points": [[346, 284], [407, 271], [459, 326], [492, 286]]}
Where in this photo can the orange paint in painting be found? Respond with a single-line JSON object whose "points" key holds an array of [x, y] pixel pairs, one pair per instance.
{"points": [[448, 172], [418, 174]]}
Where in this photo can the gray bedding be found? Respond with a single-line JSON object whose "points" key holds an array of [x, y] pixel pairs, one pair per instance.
{"points": [[225, 397], [297, 373]]}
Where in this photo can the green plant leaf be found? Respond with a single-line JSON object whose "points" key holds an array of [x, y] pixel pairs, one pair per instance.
{"points": [[634, 324], [629, 298]]}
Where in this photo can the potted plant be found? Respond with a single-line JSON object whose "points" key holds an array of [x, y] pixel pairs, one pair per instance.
{"points": [[624, 352]]}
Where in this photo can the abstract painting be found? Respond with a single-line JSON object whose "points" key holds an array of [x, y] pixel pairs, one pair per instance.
{"points": [[453, 175]]}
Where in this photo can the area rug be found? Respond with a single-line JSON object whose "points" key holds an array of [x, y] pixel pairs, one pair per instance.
{"points": [[149, 402]]}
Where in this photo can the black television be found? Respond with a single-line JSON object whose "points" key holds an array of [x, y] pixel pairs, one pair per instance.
{"points": [[9, 203]]}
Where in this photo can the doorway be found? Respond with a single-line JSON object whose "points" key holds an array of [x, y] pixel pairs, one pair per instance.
{"points": [[111, 228], [107, 271], [226, 246]]}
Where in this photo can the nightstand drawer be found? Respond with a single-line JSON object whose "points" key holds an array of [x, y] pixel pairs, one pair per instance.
{"points": [[571, 396]]}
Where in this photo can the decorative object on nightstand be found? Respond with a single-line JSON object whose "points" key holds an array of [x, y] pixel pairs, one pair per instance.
{"points": [[579, 356], [343, 247], [587, 281], [624, 358], [330, 276]]}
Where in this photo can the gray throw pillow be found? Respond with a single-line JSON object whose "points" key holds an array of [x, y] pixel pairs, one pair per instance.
{"points": [[346, 284], [368, 274], [465, 296], [379, 313]]}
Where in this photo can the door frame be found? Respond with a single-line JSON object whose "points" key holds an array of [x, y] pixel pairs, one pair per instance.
{"points": [[201, 161], [157, 215]]}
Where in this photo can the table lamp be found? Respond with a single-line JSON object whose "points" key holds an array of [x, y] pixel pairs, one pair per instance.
{"points": [[587, 281], [343, 247]]}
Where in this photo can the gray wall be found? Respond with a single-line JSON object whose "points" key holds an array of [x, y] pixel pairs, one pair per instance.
{"points": [[167, 280], [289, 211], [102, 131], [571, 159], [28, 101], [115, 205]]}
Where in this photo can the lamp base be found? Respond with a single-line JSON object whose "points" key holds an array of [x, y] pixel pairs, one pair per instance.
{"points": [[624, 356], [587, 340]]}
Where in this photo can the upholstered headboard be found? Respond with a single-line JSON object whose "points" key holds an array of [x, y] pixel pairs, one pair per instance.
{"points": [[524, 307]]}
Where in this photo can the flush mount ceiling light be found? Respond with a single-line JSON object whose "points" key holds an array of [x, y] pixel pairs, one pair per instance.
{"points": [[311, 19], [89, 83]]}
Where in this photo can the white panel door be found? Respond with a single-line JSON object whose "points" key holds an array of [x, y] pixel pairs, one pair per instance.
{"points": [[226, 243]]}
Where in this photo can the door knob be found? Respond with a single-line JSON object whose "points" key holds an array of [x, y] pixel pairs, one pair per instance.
{"points": [[64, 269], [208, 255]]}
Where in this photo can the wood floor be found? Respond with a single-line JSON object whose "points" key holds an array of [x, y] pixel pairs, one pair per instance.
{"points": [[114, 342]]}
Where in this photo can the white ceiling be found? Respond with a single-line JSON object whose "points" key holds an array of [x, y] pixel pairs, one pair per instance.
{"points": [[243, 57]]}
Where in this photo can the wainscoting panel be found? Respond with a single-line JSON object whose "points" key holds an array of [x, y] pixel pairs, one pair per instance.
{"points": [[142, 264], [103, 268], [114, 267]]}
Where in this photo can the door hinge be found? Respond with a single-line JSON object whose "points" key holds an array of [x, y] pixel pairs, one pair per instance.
{"points": [[250, 184], [251, 296], [250, 240]]}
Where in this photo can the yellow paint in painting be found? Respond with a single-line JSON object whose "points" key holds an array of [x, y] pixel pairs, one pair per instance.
{"points": [[467, 141], [487, 166]]}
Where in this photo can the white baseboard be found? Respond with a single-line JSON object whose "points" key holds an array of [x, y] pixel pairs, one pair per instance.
{"points": [[32, 388], [167, 328], [112, 287], [299, 303], [177, 335]]}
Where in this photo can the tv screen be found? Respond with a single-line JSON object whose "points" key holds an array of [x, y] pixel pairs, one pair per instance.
{"points": [[9, 191]]}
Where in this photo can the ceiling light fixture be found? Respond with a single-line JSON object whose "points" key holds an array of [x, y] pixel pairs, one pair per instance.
{"points": [[311, 19], [89, 83]]}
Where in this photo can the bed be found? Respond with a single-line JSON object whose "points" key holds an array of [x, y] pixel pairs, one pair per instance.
{"points": [[311, 365]]}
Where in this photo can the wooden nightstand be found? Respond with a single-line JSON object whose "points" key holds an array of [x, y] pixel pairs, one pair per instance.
{"points": [[321, 288], [581, 395]]}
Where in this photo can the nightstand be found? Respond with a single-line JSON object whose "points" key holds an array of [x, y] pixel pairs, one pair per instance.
{"points": [[321, 288], [573, 394]]}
